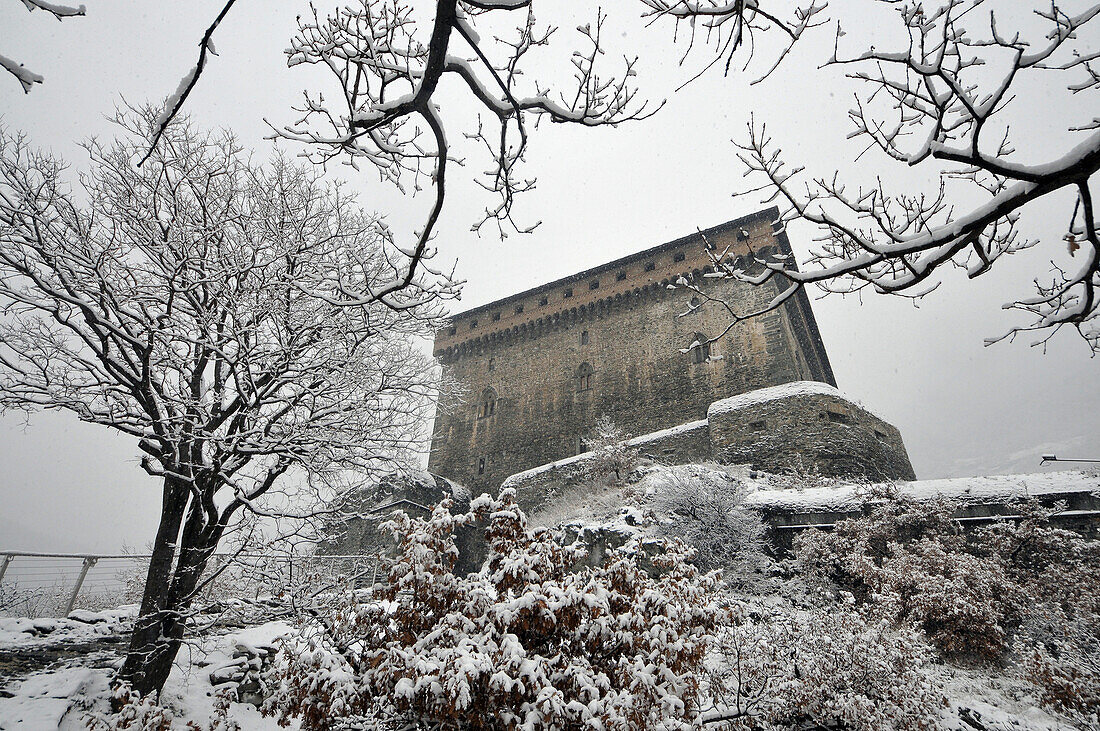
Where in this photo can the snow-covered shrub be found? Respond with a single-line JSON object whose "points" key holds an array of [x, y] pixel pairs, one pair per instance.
{"points": [[1059, 572], [132, 712], [831, 668], [530, 641], [612, 459], [912, 562], [705, 507]]}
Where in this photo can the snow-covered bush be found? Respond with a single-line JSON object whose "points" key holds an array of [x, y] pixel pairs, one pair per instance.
{"points": [[135, 712], [1059, 572], [531, 641], [612, 459], [912, 562], [831, 668], [705, 507]]}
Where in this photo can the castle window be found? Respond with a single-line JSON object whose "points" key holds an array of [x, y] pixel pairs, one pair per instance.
{"points": [[620, 276], [488, 403], [492, 362], [584, 338], [650, 266], [584, 377], [453, 331], [742, 235], [519, 309], [838, 417], [679, 256], [567, 293], [695, 302], [496, 316], [544, 301], [757, 426], [473, 324], [699, 348], [481, 465], [594, 284]]}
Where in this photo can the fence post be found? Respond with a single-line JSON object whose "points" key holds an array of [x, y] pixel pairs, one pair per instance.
{"points": [[4, 564], [89, 562]]}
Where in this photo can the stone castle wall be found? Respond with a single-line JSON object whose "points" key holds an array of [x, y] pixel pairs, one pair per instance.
{"points": [[802, 427], [542, 366]]}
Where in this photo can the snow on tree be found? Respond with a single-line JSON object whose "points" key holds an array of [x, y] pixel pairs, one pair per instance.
{"points": [[532, 641], [612, 458], [944, 88], [706, 507], [27, 78], [196, 305]]}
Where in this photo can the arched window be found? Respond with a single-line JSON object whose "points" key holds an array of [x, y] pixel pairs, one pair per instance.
{"points": [[488, 403], [699, 348], [584, 377]]}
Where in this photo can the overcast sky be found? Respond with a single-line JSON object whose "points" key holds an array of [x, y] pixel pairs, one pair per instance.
{"points": [[963, 408]]}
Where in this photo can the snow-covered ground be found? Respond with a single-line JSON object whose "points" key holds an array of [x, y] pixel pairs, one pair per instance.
{"points": [[76, 686], [64, 696]]}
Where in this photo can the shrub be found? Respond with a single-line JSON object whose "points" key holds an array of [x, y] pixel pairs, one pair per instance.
{"points": [[911, 561], [529, 642], [705, 505], [826, 668], [612, 459]]}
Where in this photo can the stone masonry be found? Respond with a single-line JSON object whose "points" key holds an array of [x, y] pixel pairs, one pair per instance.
{"points": [[540, 367], [800, 427]]}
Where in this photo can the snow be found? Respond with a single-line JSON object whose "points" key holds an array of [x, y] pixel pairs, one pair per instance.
{"points": [[775, 393], [25, 76], [51, 700], [665, 433], [78, 626], [992, 489]]}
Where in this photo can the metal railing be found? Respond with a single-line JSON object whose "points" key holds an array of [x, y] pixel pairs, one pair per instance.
{"points": [[54, 584]]}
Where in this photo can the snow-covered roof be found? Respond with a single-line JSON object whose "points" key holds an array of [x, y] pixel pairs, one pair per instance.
{"points": [[991, 489], [786, 390]]}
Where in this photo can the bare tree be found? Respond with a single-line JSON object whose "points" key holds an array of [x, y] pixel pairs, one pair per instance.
{"points": [[195, 304], [388, 61], [27, 78], [943, 99]]}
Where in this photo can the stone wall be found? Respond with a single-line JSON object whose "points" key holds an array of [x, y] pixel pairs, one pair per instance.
{"points": [[799, 427], [807, 427], [542, 366]]}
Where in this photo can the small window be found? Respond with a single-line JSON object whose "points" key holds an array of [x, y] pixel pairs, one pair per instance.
{"points": [[699, 348], [742, 235], [496, 316], [584, 338], [650, 266], [492, 362], [481, 465], [838, 417], [453, 331], [544, 301], [881, 434], [488, 404], [620, 276], [679, 256], [584, 377], [594, 284], [695, 302], [567, 293], [473, 324], [758, 426], [519, 309]]}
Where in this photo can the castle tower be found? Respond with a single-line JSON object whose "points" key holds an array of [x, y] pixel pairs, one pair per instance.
{"points": [[541, 366]]}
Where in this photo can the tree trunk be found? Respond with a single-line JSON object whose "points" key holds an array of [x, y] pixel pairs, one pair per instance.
{"points": [[174, 571]]}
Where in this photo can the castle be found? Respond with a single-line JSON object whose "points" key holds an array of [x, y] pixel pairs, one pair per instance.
{"points": [[541, 366]]}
